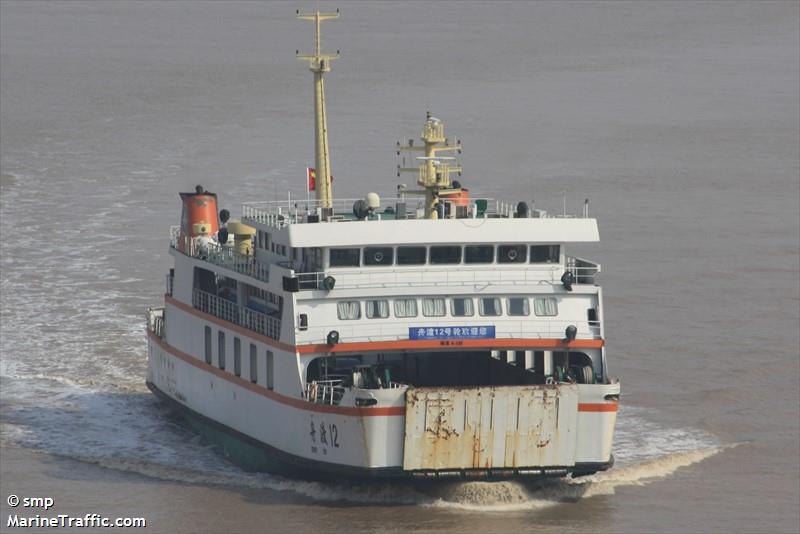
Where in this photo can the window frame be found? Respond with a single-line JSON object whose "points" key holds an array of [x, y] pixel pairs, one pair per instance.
{"points": [[527, 307], [433, 248], [400, 250], [253, 363], [339, 315], [376, 306], [466, 254], [444, 306], [503, 250], [550, 299], [403, 315], [371, 252], [465, 299], [341, 249], [221, 350], [237, 356], [498, 305], [551, 259]]}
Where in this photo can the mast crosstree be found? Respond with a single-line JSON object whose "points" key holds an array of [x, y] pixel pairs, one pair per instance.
{"points": [[319, 64]]}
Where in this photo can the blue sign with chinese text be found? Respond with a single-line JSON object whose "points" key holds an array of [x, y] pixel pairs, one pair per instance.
{"points": [[451, 332]]}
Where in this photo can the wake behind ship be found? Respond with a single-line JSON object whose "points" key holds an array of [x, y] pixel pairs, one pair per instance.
{"points": [[436, 336]]}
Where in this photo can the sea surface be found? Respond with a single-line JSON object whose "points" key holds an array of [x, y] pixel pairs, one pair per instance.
{"points": [[679, 121]]}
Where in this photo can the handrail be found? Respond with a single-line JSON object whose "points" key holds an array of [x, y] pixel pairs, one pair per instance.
{"points": [[324, 392], [232, 312], [219, 255], [382, 277], [279, 213]]}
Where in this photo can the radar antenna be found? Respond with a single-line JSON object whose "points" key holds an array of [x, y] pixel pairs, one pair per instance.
{"points": [[433, 171]]}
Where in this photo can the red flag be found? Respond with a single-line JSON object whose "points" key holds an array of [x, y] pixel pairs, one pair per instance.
{"points": [[312, 179], [311, 173]]}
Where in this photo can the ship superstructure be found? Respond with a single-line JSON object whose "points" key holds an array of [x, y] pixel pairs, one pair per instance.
{"points": [[429, 334]]}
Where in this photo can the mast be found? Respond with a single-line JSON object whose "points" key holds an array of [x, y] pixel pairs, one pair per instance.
{"points": [[433, 172], [319, 64]]}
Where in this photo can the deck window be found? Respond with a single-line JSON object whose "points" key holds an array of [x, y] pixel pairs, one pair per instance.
{"points": [[270, 370], [208, 344], [378, 256], [489, 306], [518, 306], [345, 257], [253, 364], [512, 254], [221, 350], [411, 255], [348, 310], [445, 255], [545, 253], [377, 309], [462, 307], [405, 308], [433, 307], [479, 254], [237, 356], [545, 306]]}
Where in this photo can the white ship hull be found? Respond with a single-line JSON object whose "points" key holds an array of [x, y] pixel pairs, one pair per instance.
{"points": [[517, 434]]}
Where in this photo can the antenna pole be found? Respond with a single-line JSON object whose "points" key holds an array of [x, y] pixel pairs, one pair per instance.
{"points": [[319, 64]]}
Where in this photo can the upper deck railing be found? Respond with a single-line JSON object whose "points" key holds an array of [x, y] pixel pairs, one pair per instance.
{"points": [[221, 256], [281, 213], [583, 270]]}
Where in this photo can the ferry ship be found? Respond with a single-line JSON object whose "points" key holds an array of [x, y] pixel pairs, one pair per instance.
{"points": [[430, 335]]}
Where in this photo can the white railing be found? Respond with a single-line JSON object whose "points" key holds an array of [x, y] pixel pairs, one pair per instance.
{"points": [[280, 213], [234, 313], [324, 392], [221, 256], [386, 330]]}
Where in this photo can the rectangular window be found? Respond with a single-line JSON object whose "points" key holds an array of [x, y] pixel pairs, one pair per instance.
{"points": [[237, 356], [489, 306], [445, 255], [253, 364], [345, 257], [591, 316], [377, 309], [518, 306], [433, 307], [270, 370], [411, 255], [221, 350], [512, 254], [378, 256], [208, 345], [348, 310], [545, 306], [479, 254], [462, 307], [545, 253], [405, 308]]}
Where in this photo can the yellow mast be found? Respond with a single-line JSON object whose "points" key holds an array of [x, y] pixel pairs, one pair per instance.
{"points": [[319, 63], [433, 171]]}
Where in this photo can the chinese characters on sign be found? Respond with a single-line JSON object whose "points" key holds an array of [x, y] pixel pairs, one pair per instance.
{"points": [[451, 332]]}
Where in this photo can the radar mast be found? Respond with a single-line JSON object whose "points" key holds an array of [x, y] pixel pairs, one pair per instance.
{"points": [[433, 172], [320, 63]]}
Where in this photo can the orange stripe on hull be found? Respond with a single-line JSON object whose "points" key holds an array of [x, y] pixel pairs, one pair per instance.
{"points": [[598, 407], [264, 392]]}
